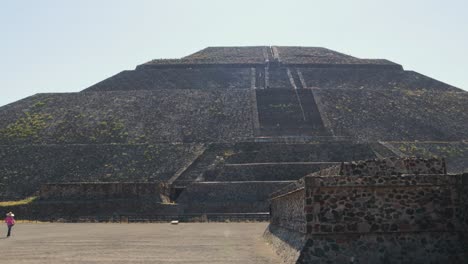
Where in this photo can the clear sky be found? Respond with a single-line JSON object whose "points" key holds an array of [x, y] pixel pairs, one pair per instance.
{"points": [[66, 46]]}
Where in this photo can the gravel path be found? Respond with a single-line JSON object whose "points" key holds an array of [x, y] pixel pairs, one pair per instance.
{"points": [[137, 243]]}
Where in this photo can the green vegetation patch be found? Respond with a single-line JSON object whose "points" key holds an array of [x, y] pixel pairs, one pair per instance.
{"points": [[81, 127], [433, 150], [18, 202], [29, 126]]}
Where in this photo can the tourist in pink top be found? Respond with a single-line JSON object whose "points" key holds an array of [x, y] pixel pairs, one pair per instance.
{"points": [[10, 221]]}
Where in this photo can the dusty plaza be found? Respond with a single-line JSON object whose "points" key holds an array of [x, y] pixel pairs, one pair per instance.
{"points": [[137, 243]]}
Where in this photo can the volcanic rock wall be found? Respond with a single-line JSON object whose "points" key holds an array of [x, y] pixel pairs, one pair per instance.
{"points": [[129, 117], [92, 209], [387, 167], [323, 151], [333, 78], [265, 172], [238, 178], [289, 112], [454, 153], [228, 197], [25, 167], [395, 115], [101, 191], [97, 201], [384, 218], [288, 211], [185, 78]]}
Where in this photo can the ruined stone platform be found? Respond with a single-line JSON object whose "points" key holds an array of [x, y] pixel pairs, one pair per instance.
{"points": [[376, 211]]}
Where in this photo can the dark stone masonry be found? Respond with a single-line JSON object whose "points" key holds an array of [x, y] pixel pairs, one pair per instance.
{"points": [[109, 190], [367, 161], [377, 211]]}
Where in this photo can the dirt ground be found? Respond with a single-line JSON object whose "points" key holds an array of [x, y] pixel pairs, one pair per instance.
{"points": [[137, 243]]}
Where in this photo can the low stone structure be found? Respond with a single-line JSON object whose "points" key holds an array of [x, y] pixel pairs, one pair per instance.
{"points": [[156, 191], [386, 167], [378, 211], [228, 197], [92, 210], [112, 201]]}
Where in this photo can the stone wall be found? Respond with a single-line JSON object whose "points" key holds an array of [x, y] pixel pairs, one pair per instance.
{"points": [[312, 56], [289, 211], [393, 248], [157, 191], [75, 209], [287, 243], [289, 112], [454, 153], [395, 114], [323, 56], [265, 172], [23, 168], [278, 78], [333, 151], [334, 78], [270, 161], [366, 204], [188, 115], [185, 78], [330, 171], [387, 211], [387, 167], [217, 56], [227, 197]]}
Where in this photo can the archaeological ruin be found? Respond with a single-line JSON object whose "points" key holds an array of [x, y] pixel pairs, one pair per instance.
{"points": [[222, 133], [397, 210]]}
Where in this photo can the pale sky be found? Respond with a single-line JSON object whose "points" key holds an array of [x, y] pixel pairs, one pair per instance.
{"points": [[65, 46]]}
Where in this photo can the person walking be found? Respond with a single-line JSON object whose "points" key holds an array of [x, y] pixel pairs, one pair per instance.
{"points": [[10, 221]]}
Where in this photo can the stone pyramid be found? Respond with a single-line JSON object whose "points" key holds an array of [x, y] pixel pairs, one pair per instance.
{"points": [[226, 126]]}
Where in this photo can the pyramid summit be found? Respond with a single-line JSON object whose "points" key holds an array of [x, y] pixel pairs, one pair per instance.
{"points": [[264, 54], [229, 120]]}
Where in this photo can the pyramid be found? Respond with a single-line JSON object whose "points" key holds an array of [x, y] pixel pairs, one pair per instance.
{"points": [[226, 126]]}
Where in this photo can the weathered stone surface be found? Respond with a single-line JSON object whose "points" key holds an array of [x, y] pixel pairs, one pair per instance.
{"points": [[25, 167], [84, 210], [281, 152], [186, 78], [335, 78], [251, 114], [157, 191], [395, 114], [188, 115], [287, 244], [265, 172], [260, 54], [454, 153], [409, 205], [394, 248], [378, 214], [323, 56], [289, 211], [228, 197], [386, 167], [264, 161]]}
